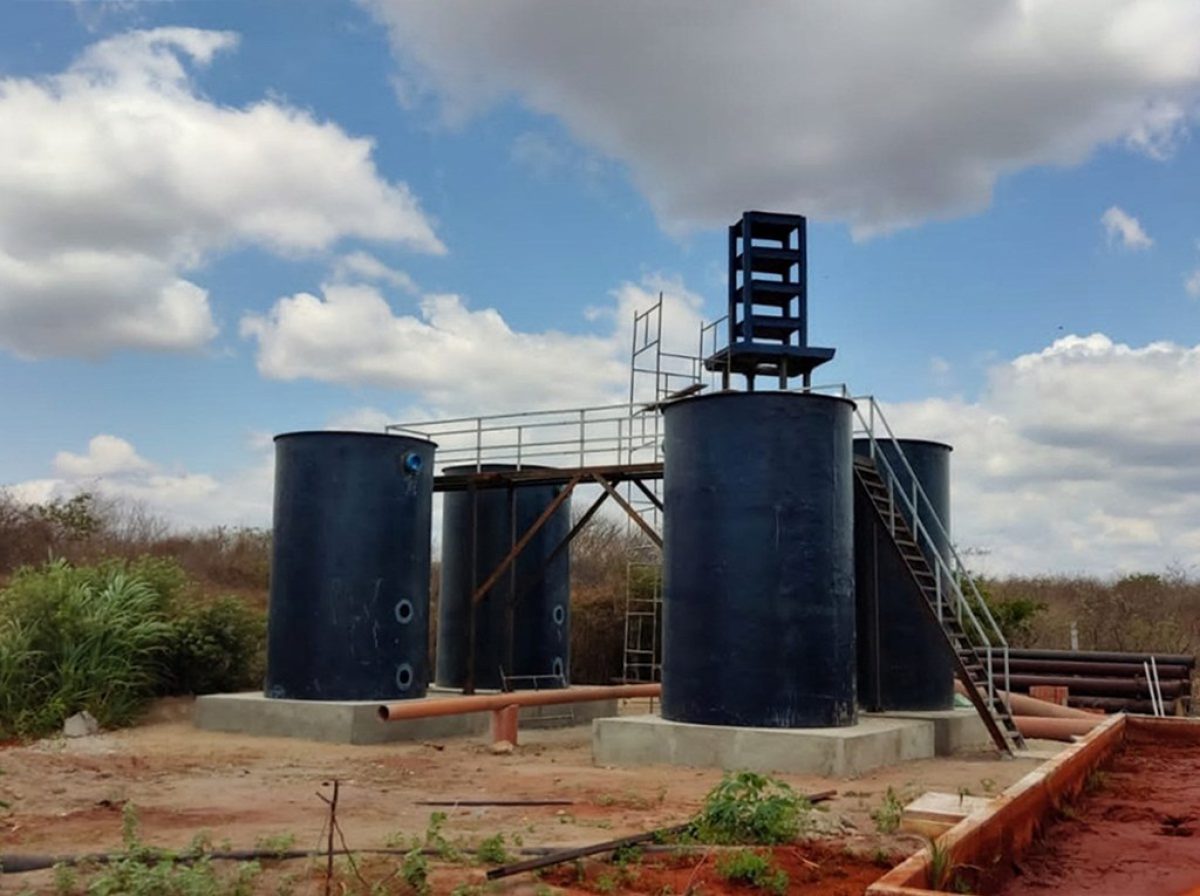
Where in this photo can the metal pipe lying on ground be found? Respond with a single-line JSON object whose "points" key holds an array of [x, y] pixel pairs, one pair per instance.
{"points": [[1024, 705], [1101, 687], [1045, 728], [452, 706], [1095, 669], [22, 863], [1101, 656]]}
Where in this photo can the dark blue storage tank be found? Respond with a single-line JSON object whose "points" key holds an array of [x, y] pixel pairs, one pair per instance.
{"points": [[903, 660], [758, 558], [349, 609], [541, 613]]}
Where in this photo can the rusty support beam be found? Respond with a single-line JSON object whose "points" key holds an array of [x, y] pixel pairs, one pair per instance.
{"points": [[629, 509], [524, 540], [653, 498], [537, 577]]}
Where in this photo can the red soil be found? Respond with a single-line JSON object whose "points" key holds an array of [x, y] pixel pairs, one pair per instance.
{"points": [[815, 869], [1137, 834]]}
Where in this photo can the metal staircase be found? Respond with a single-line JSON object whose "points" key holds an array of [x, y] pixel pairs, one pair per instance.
{"points": [[974, 657]]}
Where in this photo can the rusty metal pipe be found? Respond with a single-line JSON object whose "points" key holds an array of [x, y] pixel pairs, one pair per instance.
{"points": [[1024, 705], [1045, 728], [1099, 687], [452, 706], [1098, 670]]}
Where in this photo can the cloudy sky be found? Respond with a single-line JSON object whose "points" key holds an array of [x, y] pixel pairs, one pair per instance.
{"points": [[224, 220]]}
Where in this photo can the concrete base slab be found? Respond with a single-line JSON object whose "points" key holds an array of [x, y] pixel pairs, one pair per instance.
{"points": [[933, 813], [830, 752], [954, 730], [356, 722]]}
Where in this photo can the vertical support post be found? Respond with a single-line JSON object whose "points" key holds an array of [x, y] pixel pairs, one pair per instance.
{"points": [[510, 598], [582, 425], [472, 610]]}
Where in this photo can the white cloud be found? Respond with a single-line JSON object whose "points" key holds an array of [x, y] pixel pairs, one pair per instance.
{"points": [[879, 114], [1119, 224], [113, 470], [365, 267], [119, 179], [1079, 457], [456, 359], [105, 456]]}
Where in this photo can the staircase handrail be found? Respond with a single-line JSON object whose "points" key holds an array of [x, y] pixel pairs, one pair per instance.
{"points": [[956, 575]]}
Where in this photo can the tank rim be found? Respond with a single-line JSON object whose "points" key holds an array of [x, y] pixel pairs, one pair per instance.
{"points": [[773, 393], [903, 441], [495, 468], [352, 432]]}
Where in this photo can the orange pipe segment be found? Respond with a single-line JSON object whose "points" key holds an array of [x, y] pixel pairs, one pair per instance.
{"points": [[1045, 728], [452, 706], [1031, 706]]}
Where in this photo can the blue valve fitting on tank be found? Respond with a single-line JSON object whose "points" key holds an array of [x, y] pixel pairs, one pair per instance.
{"points": [[412, 463]]}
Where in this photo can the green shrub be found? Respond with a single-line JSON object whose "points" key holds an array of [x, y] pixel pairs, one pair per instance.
{"points": [[751, 808], [214, 646], [75, 639], [887, 817], [748, 867], [107, 638], [492, 851]]}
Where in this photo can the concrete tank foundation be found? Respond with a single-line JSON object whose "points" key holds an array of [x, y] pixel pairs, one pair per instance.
{"points": [[955, 731], [839, 752], [357, 722]]}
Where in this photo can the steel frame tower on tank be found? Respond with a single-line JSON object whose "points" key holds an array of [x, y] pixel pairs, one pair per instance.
{"points": [[768, 302]]}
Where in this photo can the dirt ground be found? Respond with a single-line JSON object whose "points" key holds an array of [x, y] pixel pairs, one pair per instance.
{"points": [[66, 796], [1131, 832]]}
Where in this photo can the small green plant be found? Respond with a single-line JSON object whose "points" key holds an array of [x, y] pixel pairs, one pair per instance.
{"points": [[144, 871], [65, 880], [276, 843], [939, 865], [887, 816], [749, 867], [963, 793], [400, 840], [543, 890], [627, 855], [130, 827], [606, 883], [988, 785], [414, 869], [746, 807], [1096, 780], [492, 852], [437, 841]]}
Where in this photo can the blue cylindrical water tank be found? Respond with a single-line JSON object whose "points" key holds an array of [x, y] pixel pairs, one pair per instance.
{"points": [[758, 561], [541, 609], [904, 662], [349, 609]]}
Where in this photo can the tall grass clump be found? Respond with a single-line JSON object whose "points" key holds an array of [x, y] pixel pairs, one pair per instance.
{"points": [[74, 639], [110, 637]]}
